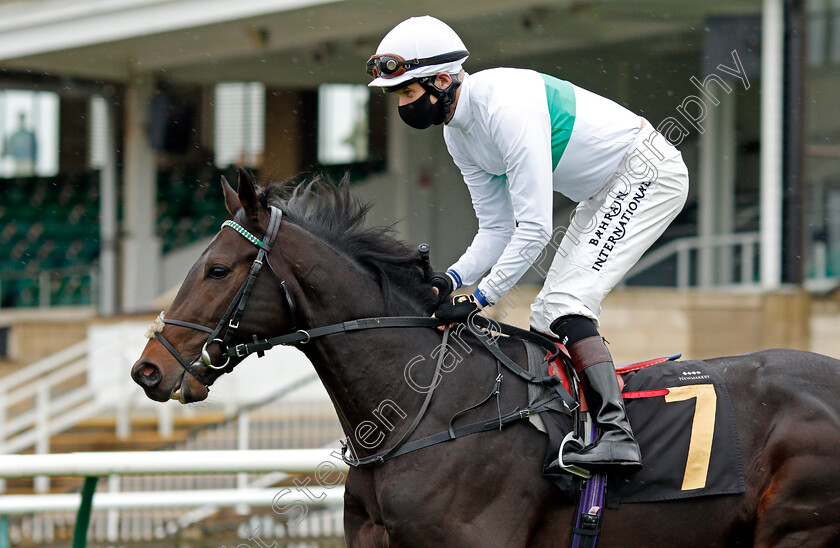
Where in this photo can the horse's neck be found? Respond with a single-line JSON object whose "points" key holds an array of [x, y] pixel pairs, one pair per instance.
{"points": [[363, 370]]}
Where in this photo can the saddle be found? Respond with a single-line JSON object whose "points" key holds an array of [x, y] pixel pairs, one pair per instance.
{"points": [[557, 368]]}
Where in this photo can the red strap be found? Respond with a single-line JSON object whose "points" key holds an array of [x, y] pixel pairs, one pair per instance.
{"points": [[646, 394], [556, 368]]}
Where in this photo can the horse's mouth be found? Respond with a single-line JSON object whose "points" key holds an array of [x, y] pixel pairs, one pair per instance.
{"points": [[188, 390], [175, 394]]}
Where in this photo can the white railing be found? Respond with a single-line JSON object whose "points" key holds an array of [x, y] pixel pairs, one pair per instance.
{"points": [[720, 250], [104, 463], [326, 464], [41, 411], [156, 500], [44, 366], [90, 379], [44, 406]]}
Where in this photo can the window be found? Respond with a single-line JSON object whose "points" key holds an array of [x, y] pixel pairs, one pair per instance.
{"points": [[823, 36], [239, 124], [342, 124], [28, 133]]}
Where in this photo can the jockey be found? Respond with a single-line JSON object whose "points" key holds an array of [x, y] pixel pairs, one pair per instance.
{"points": [[518, 136]]}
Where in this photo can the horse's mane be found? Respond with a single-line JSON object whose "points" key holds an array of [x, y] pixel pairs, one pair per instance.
{"points": [[337, 216]]}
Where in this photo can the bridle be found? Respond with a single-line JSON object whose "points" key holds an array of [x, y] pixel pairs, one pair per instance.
{"points": [[229, 323]]}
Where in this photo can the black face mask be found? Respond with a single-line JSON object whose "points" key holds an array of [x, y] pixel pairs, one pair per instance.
{"points": [[421, 113]]}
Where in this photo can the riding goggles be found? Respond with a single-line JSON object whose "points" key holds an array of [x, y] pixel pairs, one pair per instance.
{"points": [[391, 65]]}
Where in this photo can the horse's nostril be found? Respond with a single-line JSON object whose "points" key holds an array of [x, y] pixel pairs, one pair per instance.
{"points": [[147, 374]]}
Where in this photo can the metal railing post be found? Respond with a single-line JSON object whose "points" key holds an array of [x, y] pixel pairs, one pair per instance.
{"points": [[4, 532], [165, 426], [83, 516], [42, 425], [683, 267], [747, 263], [123, 426], [243, 435], [44, 289], [3, 415], [112, 530]]}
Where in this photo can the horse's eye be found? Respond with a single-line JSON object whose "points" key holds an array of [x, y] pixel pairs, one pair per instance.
{"points": [[217, 272]]}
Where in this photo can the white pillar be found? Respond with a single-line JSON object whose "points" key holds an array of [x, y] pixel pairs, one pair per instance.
{"points": [[726, 184], [708, 194], [108, 215], [716, 194], [141, 247], [772, 59]]}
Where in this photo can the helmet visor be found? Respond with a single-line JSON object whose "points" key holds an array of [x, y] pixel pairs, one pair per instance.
{"points": [[391, 65]]}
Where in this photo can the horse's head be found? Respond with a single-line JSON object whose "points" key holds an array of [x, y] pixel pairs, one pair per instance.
{"points": [[325, 266], [222, 300]]}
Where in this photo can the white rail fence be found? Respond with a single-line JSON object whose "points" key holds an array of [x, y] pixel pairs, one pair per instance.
{"points": [[91, 379], [105, 463], [48, 410], [325, 464], [723, 260]]}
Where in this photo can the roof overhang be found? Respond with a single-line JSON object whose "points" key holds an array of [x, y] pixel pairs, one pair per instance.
{"points": [[296, 43]]}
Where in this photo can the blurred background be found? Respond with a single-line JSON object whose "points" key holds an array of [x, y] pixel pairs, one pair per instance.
{"points": [[118, 118]]}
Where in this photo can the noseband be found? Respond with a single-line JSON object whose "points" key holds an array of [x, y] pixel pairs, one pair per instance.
{"points": [[228, 325]]}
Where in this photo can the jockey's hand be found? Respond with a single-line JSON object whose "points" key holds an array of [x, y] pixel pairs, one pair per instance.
{"points": [[458, 309], [442, 285]]}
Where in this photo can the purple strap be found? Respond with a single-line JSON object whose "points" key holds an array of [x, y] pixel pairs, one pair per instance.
{"points": [[591, 504]]}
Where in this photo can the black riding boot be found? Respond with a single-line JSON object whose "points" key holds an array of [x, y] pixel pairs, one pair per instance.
{"points": [[615, 446]]}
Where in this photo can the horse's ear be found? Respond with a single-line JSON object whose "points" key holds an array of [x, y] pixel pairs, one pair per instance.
{"points": [[231, 199], [248, 196]]}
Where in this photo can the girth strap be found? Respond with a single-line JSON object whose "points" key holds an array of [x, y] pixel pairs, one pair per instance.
{"points": [[451, 434]]}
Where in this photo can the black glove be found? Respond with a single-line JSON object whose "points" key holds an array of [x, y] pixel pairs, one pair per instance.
{"points": [[443, 283], [458, 309]]}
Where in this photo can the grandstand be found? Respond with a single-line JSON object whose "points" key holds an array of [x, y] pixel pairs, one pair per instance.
{"points": [[49, 240]]}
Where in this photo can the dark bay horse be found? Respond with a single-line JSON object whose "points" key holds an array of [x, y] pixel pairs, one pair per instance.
{"points": [[324, 267]]}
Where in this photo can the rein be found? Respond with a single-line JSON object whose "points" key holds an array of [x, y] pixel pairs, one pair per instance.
{"points": [[477, 325]]}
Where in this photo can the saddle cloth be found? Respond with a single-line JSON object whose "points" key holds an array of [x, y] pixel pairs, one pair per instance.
{"points": [[683, 420]]}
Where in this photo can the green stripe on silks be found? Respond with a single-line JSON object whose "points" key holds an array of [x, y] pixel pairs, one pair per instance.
{"points": [[562, 109], [83, 517]]}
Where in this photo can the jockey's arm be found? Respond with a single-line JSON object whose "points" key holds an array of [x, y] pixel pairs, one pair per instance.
{"points": [[496, 224]]}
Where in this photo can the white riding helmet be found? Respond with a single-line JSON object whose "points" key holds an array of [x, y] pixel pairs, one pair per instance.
{"points": [[417, 47]]}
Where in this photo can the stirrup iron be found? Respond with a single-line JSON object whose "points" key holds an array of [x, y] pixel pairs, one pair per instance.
{"points": [[571, 468]]}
